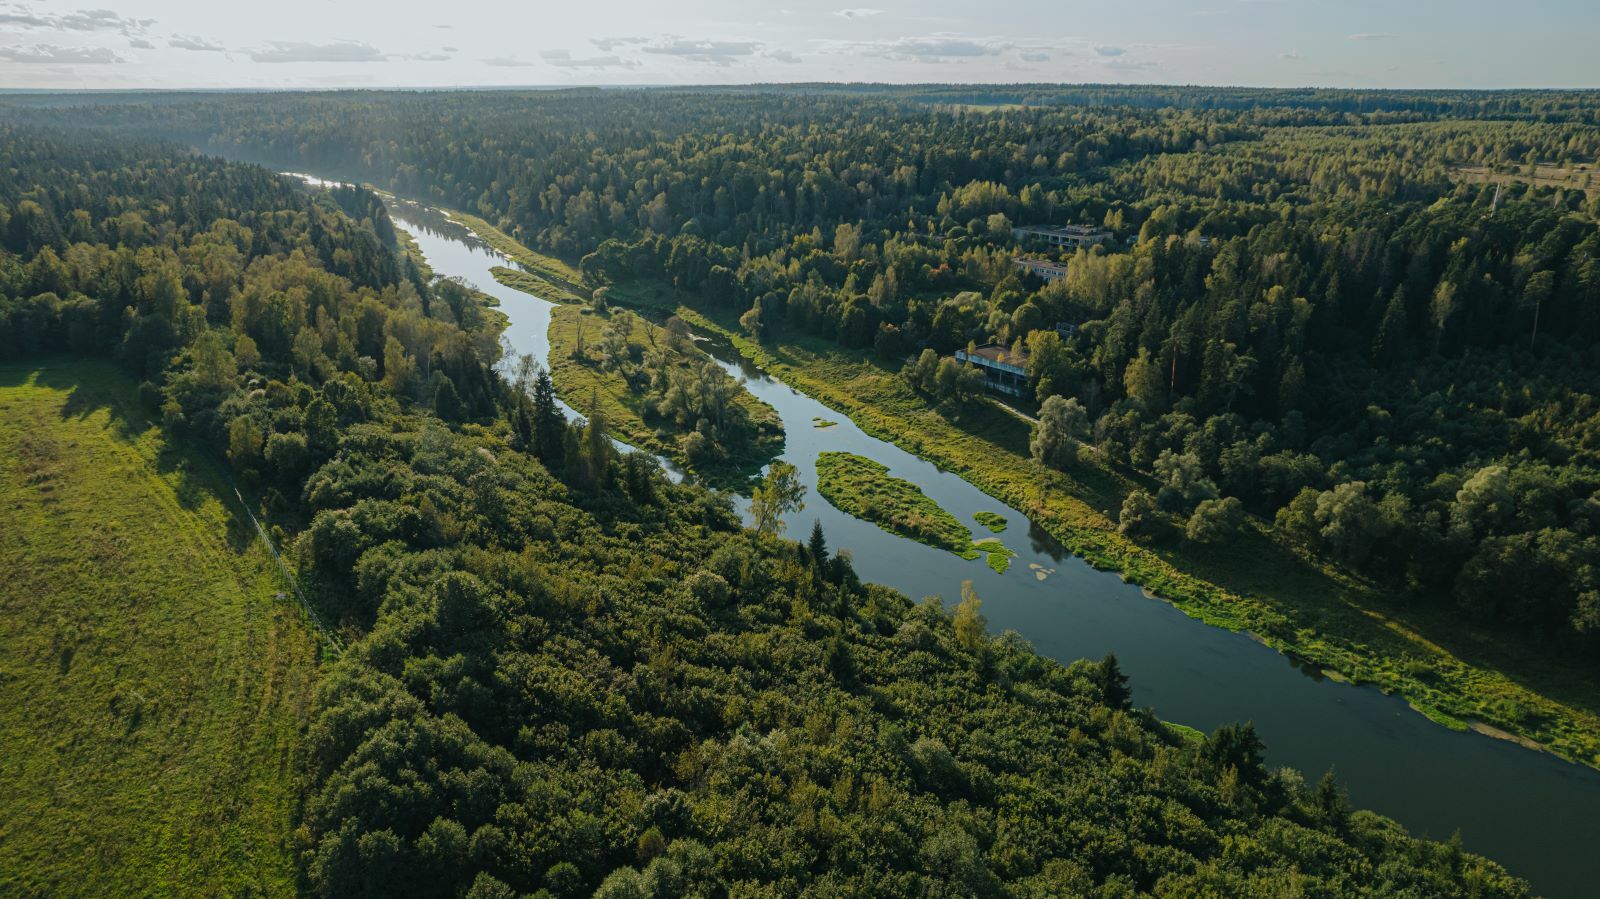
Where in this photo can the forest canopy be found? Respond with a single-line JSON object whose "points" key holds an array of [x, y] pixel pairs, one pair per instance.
{"points": [[1308, 307], [567, 674]]}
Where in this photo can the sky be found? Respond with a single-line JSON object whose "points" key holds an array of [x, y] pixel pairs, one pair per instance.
{"points": [[77, 44]]}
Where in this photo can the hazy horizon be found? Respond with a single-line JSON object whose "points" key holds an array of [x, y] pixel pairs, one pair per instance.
{"points": [[306, 44]]}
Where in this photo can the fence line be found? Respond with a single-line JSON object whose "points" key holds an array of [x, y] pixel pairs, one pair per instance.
{"points": [[328, 638]]}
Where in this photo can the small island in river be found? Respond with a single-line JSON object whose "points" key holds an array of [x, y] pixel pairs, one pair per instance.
{"points": [[864, 488]]}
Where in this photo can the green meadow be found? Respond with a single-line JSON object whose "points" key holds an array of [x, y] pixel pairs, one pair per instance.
{"points": [[153, 686]]}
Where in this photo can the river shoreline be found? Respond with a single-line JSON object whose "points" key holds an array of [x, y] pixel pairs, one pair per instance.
{"points": [[1092, 536], [1525, 808]]}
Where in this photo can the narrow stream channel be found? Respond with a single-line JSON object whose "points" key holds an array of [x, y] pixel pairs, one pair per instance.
{"points": [[1538, 815]]}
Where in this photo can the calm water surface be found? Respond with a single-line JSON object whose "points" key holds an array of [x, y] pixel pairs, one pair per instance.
{"points": [[1536, 814]]}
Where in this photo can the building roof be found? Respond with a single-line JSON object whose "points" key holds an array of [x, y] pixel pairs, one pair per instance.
{"points": [[1040, 264], [1066, 230], [994, 352]]}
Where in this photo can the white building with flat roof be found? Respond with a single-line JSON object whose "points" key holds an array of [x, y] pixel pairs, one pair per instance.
{"points": [[1042, 268], [1069, 236]]}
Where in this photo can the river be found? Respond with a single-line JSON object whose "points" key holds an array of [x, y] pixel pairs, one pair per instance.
{"points": [[1531, 811]]}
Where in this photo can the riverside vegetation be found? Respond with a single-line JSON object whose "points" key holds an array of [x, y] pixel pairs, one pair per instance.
{"points": [[864, 488], [565, 674], [994, 521], [1427, 525], [659, 394]]}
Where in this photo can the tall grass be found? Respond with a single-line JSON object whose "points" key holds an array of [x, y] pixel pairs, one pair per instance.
{"points": [[154, 683]]}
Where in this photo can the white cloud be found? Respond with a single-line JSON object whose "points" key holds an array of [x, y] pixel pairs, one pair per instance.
{"points": [[193, 42], [1370, 36], [1105, 50], [296, 51], [139, 43], [564, 59], [612, 43], [18, 16], [710, 51], [932, 47], [717, 53], [944, 47], [508, 62], [49, 54], [862, 12]]}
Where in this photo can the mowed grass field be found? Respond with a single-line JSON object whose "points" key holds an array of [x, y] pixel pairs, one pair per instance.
{"points": [[152, 686]]}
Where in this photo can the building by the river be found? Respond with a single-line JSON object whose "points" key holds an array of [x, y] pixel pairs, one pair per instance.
{"points": [[1003, 371]]}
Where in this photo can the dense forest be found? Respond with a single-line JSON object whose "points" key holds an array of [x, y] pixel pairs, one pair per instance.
{"points": [[1305, 314], [566, 674]]}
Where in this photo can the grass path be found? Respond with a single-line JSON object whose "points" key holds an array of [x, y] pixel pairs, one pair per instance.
{"points": [[152, 686]]}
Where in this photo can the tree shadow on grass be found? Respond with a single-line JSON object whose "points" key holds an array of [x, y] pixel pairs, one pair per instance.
{"points": [[95, 385], [91, 385]]}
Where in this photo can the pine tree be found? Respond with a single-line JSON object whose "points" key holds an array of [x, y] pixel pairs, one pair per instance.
{"points": [[818, 545], [1330, 800], [597, 445], [446, 403], [1390, 342], [521, 425], [1112, 682], [549, 428]]}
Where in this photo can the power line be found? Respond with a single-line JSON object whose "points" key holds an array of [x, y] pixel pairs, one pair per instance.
{"points": [[328, 638]]}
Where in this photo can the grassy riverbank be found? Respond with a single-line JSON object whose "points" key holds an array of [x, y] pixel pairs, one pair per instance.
{"points": [[1454, 674], [581, 379], [413, 251], [534, 285], [1457, 675], [152, 687], [545, 276]]}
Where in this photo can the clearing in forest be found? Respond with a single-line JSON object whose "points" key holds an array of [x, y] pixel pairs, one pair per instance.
{"points": [[153, 687]]}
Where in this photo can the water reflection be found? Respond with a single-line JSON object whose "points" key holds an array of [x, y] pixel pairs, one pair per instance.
{"points": [[1040, 541]]}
